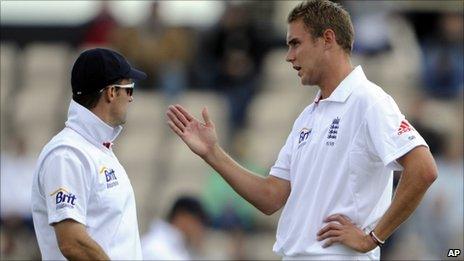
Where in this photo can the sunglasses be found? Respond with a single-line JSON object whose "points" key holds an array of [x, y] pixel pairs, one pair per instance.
{"points": [[128, 87]]}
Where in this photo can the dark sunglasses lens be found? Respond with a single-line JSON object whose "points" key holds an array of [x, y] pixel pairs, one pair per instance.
{"points": [[129, 91]]}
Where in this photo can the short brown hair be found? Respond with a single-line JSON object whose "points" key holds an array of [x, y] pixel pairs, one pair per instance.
{"points": [[319, 15], [90, 100]]}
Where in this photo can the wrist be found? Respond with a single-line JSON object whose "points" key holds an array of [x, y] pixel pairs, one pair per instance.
{"points": [[369, 243], [377, 241], [213, 154]]}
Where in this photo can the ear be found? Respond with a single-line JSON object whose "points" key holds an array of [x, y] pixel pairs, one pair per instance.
{"points": [[330, 39], [109, 94]]}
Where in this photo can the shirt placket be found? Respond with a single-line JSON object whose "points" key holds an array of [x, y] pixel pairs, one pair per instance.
{"points": [[317, 122]]}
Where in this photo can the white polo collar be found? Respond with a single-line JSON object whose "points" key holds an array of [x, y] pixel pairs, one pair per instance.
{"points": [[345, 88], [90, 126]]}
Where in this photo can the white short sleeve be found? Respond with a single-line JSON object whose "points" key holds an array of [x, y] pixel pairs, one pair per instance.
{"points": [[391, 134], [65, 185], [281, 168]]}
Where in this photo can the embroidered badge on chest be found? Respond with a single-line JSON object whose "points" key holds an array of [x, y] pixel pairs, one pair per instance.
{"points": [[333, 132], [110, 177]]}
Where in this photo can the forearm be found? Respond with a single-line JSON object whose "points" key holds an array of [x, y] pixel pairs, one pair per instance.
{"points": [[407, 197], [250, 186], [267, 194], [83, 249], [75, 243]]}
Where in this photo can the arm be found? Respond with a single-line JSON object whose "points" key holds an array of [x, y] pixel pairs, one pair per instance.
{"points": [[75, 243], [419, 173], [266, 194]]}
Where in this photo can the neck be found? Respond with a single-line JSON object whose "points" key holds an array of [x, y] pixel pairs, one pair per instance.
{"points": [[336, 72], [103, 114]]}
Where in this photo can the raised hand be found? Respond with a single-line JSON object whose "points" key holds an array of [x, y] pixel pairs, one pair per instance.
{"points": [[345, 232], [199, 137]]}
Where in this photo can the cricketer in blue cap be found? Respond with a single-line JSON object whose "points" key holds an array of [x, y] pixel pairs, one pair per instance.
{"points": [[96, 68], [83, 204], [97, 73]]}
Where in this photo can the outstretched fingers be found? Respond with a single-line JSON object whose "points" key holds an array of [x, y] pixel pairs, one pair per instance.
{"points": [[179, 115], [175, 120], [186, 115], [175, 128], [206, 117]]}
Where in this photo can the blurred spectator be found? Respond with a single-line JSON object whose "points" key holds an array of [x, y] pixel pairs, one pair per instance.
{"points": [[17, 169], [237, 50], [443, 69], [181, 236], [174, 54], [372, 26], [100, 29], [153, 25], [168, 53]]}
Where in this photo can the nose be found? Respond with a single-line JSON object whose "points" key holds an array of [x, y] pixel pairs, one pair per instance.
{"points": [[131, 98], [290, 56]]}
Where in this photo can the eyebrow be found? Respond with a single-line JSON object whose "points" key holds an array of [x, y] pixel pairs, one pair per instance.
{"points": [[292, 41]]}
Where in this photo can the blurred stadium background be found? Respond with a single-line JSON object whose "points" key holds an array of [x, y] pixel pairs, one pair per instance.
{"points": [[230, 57]]}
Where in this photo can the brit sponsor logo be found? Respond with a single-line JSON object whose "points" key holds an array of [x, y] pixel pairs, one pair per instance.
{"points": [[63, 198], [304, 134], [110, 176]]}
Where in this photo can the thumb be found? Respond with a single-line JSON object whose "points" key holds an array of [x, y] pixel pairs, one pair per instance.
{"points": [[205, 115]]}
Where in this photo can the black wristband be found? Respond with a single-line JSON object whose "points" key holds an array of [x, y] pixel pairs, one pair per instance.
{"points": [[376, 239]]}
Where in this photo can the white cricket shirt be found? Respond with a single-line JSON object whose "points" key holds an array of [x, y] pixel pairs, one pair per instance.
{"points": [[339, 158], [164, 242], [78, 178]]}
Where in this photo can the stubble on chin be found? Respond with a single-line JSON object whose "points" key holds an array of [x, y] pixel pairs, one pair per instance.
{"points": [[305, 82], [122, 121], [119, 122]]}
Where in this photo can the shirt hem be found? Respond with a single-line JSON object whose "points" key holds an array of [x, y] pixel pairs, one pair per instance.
{"points": [[60, 218], [280, 174], [401, 152]]}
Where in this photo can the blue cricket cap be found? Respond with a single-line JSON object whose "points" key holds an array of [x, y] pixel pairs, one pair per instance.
{"points": [[97, 68]]}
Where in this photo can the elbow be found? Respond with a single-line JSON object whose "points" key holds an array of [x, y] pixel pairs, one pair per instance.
{"points": [[431, 171], [430, 175], [275, 195], [269, 211], [67, 248]]}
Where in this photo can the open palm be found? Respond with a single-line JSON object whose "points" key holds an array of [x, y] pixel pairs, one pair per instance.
{"points": [[199, 137]]}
